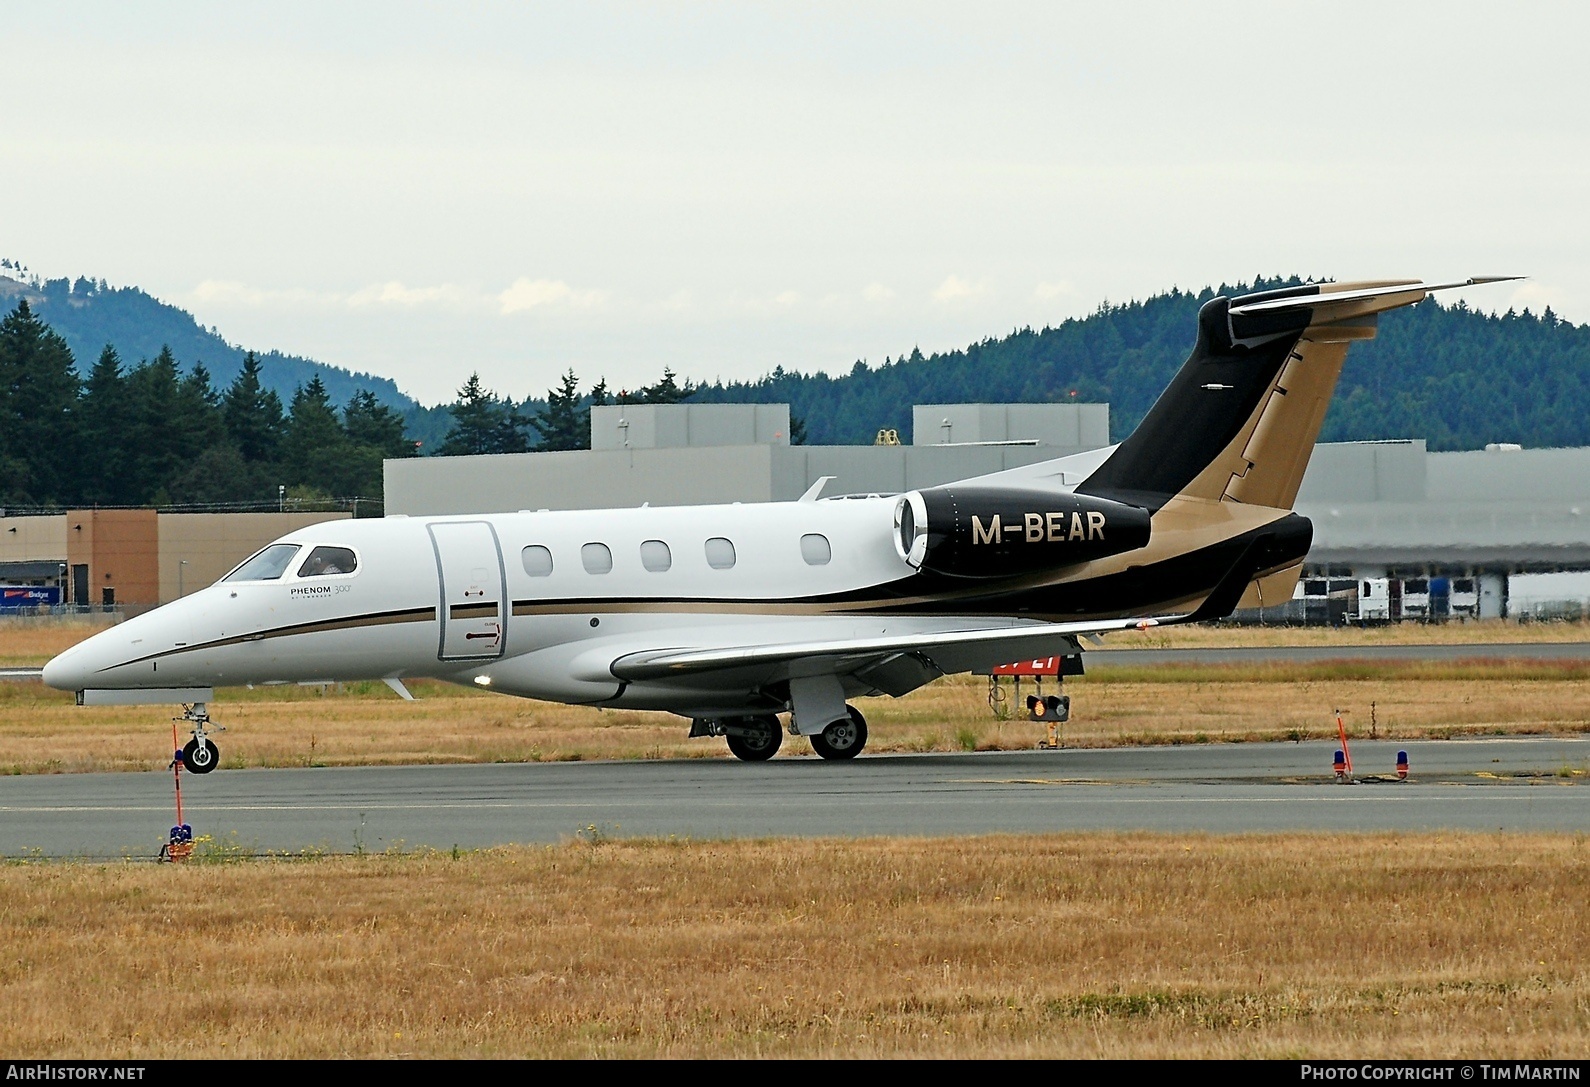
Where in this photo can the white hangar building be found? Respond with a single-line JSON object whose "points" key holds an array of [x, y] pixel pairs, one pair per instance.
{"points": [[1425, 534]]}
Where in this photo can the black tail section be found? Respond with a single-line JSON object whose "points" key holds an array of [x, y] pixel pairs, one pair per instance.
{"points": [[1216, 392]]}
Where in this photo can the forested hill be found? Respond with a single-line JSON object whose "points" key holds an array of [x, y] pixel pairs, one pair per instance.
{"points": [[1452, 375], [89, 315]]}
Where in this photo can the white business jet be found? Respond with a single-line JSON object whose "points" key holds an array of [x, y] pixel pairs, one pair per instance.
{"points": [[732, 614]]}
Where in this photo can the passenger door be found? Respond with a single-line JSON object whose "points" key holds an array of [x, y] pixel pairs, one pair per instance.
{"points": [[474, 612]]}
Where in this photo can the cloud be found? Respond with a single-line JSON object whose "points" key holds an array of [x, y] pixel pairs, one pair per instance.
{"points": [[528, 294], [229, 292], [222, 292], [1054, 290], [956, 289], [876, 292], [397, 294], [1533, 296]]}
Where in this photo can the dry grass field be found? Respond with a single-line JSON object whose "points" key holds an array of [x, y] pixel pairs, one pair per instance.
{"points": [[1059, 946], [41, 731]]}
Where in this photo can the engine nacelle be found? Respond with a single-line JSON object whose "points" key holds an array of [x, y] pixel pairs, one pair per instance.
{"points": [[986, 532]]}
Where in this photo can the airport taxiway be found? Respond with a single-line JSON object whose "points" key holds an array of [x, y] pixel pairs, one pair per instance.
{"points": [[1507, 784]]}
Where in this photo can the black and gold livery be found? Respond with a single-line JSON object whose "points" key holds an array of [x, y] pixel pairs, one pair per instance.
{"points": [[992, 532]]}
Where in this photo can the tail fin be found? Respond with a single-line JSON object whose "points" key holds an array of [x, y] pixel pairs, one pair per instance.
{"points": [[1239, 420]]}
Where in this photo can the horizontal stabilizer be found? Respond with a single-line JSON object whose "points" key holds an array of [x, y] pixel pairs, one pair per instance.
{"points": [[1327, 298]]}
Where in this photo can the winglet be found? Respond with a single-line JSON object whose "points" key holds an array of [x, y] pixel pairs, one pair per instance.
{"points": [[816, 488]]}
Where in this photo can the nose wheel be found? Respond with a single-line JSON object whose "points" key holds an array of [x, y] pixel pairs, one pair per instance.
{"points": [[200, 755]]}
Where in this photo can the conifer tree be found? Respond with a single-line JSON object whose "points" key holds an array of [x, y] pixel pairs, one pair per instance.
{"points": [[315, 449], [39, 391], [666, 391], [155, 431], [253, 415], [375, 432], [371, 423], [105, 420], [482, 423], [561, 425]]}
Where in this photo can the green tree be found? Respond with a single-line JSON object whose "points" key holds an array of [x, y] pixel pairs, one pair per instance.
{"points": [[316, 451], [157, 441], [198, 409], [666, 391], [253, 415], [39, 398], [369, 422], [482, 423], [375, 433], [105, 422], [560, 424]]}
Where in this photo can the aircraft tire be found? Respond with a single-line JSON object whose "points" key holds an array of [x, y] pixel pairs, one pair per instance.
{"points": [[843, 739], [758, 748], [200, 759]]}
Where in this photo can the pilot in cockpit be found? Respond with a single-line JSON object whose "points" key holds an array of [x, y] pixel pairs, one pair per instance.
{"points": [[327, 560]]}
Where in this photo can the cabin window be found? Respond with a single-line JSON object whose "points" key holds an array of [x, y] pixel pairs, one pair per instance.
{"points": [[596, 558], [268, 565], [328, 560], [537, 560], [816, 550], [655, 556], [720, 553]]}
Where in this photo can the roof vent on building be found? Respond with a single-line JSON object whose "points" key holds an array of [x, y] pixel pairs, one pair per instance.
{"points": [[1503, 447]]}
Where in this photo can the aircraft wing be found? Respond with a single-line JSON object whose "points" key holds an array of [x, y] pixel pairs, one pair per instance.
{"points": [[852, 654]]}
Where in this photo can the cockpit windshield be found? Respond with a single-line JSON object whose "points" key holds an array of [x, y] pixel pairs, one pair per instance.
{"points": [[268, 565]]}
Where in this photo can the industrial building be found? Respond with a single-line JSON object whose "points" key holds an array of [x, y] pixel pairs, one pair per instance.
{"points": [[130, 559], [1399, 532], [686, 454]]}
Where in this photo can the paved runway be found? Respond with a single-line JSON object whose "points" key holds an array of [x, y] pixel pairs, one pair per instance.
{"points": [[1500, 784]]}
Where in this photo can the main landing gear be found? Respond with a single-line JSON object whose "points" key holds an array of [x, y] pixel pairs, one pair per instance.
{"points": [[842, 739], [200, 755], [757, 738], [751, 739]]}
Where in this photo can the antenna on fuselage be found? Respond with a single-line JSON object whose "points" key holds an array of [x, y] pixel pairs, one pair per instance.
{"points": [[816, 488]]}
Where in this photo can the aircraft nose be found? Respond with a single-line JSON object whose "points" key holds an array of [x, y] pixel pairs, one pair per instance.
{"points": [[64, 673]]}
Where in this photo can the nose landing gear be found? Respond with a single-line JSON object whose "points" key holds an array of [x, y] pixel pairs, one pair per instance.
{"points": [[200, 755]]}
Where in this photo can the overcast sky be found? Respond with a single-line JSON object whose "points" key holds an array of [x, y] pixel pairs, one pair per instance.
{"points": [[424, 190]]}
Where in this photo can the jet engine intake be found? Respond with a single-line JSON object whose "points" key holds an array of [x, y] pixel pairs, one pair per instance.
{"points": [[987, 532]]}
